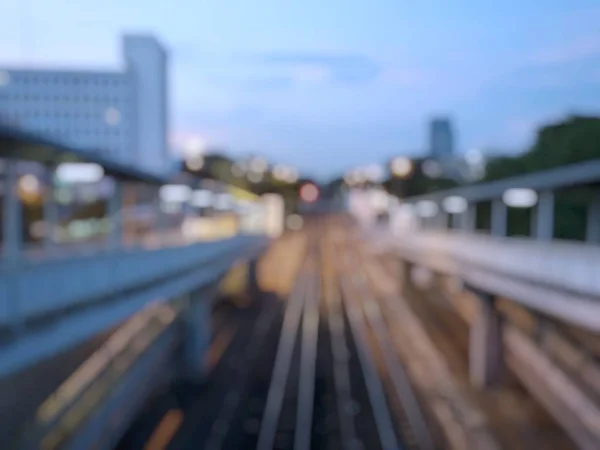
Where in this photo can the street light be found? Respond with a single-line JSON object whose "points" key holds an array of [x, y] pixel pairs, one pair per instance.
{"points": [[520, 197], [374, 173], [474, 157], [258, 165], [432, 169], [195, 163], [255, 177], [401, 167], [359, 176], [79, 172], [193, 147], [292, 175], [285, 173], [222, 201], [201, 198], [379, 199], [309, 192], [29, 184], [455, 204], [426, 208], [175, 193]]}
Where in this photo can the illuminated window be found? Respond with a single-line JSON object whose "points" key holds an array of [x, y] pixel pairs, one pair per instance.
{"points": [[112, 116]]}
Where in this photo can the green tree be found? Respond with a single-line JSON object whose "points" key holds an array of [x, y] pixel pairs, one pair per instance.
{"points": [[574, 140]]}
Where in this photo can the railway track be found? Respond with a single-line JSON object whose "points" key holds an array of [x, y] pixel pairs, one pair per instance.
{"points": [[316, 371], [326, 389]]}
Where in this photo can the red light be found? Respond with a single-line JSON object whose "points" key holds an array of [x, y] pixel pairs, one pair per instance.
{"points": [[309, 193]]}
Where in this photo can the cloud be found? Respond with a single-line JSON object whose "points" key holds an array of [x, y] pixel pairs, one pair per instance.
{"points": [[553, 68], [266, 82], [581, 48], [406, 77], [343, 68], [311, 74]]}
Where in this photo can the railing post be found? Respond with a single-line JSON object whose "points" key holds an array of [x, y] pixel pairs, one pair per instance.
{"points": [[12, 217], [12, 224], [592, 232], [159, 223], [543, 219], [51, 216], [485, 343], [456, 221], [115, 205], [468, 219], [499, 222], [442, 220], [128, 211], [196, 335]]}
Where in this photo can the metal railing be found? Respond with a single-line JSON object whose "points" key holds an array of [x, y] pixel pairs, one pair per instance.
{"points": [[431, 211], [555, 278]]}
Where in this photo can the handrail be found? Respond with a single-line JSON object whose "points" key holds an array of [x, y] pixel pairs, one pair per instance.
{"points": [[152, 240], [197, 266], [582, 173], [555, 278]]}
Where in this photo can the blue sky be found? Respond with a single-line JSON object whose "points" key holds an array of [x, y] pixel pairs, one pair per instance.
{"points": [[327, 85]]}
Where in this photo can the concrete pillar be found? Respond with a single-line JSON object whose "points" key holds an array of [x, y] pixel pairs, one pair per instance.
{"points": [[442, 220], [12, 218], [51, 212], [542, 222], [196, 335], [592, 232], [114, 210], [12, 225], [128, 204], [456, 221], [499, 222], [485, 344], [468, 219], [161, 219]]}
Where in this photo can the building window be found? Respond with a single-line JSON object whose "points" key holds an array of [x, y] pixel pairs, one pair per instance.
{"points": [[4, 78], [112, 116]]}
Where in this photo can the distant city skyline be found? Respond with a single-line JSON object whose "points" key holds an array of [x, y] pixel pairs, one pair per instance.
{"points": [[326, 87]]}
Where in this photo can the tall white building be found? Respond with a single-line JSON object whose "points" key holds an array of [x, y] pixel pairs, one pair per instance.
{"points": [[122, 115]]}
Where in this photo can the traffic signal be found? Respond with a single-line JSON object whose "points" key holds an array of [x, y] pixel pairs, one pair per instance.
{"points": [[309, 193]]}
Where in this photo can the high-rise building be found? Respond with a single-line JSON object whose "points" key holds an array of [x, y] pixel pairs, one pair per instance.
{"points": [[441, 139], [122, 115]]}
